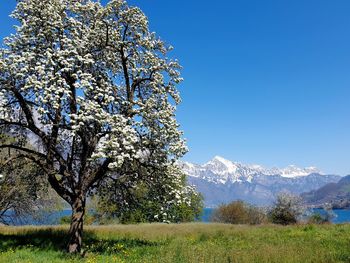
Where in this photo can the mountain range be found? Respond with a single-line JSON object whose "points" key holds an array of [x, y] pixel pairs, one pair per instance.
{"points": [[222, 181]]}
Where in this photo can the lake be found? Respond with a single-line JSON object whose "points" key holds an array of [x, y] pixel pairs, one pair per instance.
{"points": [[342, 216]]}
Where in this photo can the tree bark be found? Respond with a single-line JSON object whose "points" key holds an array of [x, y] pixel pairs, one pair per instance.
{"points": [[76, 227]]}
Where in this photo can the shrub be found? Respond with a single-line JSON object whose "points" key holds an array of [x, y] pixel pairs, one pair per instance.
{"points": [[286, 210], [65, 220], [323, 217], [88, 219], [238, 212], [256, 216], [317, 218]]}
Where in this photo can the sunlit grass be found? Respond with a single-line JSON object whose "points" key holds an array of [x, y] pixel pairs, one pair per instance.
{"points": [[181, 243]]}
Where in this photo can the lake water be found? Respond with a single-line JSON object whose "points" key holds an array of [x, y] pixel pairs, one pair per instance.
{"points": [[342, 216]]}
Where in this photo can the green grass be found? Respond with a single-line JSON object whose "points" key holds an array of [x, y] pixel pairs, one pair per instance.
{"points": [[181, 243]]}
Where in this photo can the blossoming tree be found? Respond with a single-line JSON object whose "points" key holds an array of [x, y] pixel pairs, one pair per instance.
{"points": [[94, 88]]}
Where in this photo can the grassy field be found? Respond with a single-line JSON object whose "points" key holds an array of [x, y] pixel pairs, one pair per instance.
{"points": [[181, 243]]}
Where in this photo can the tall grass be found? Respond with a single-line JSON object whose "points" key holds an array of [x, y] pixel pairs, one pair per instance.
{"points": [[181, 243]]}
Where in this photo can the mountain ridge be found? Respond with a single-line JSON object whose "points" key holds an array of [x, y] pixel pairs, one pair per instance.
{"points": [[222, 181]]}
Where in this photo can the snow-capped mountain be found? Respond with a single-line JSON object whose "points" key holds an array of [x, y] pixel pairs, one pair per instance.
{"points": [[222, 181], [220, 170]]}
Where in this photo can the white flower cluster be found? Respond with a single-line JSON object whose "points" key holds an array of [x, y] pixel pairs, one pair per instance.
{"points": [[178, 193], [3, 103]]}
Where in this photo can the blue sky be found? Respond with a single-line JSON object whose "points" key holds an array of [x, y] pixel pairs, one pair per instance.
{"points": [[266, 82]]}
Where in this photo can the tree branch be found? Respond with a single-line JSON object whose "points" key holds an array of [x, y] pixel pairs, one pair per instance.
{"points": [[16, 147], [97, 175], [28, 114]]}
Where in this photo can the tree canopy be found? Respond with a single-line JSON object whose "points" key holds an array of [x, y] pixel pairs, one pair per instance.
{"points": [[95, 90]]}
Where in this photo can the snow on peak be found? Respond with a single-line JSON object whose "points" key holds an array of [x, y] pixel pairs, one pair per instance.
{"points": [[221, 165], [221, 170], [221, 159], [293, 171]]}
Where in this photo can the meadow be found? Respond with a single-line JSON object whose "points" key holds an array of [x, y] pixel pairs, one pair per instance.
{"points": [[194, 242]]}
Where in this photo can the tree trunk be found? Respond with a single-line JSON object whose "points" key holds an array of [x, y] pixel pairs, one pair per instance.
{"points": [[76, 227]]}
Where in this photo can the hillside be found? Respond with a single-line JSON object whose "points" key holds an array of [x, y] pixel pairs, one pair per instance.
{"points": [[335, 194]]}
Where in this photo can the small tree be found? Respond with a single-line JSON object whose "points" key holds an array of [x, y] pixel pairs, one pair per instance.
{"points": [[96, 90], [23, 191], [238, 212], [168, 199], [18, 193], [286, 210]]}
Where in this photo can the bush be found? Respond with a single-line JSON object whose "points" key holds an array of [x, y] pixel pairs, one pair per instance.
{"points": [[65, 220], [317, 219], [88, 219], [286, 210], [256, 216], [238, 212], [324, 217]]}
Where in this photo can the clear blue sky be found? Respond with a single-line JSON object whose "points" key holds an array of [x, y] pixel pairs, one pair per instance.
{"points": [[266, 82]]}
